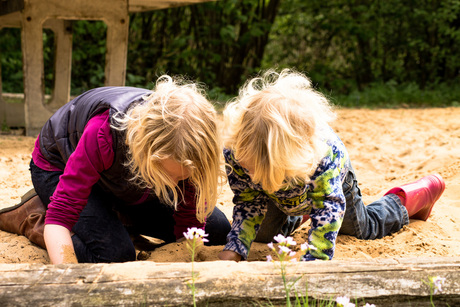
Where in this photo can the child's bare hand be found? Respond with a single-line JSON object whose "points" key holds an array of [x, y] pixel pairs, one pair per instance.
{"points": [[229, 255]]}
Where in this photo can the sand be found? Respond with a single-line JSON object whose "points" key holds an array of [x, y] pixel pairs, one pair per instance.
{"points": [[387, 148]]}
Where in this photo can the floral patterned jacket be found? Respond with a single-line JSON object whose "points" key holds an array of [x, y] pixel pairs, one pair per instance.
{"points": [[322, 198]]}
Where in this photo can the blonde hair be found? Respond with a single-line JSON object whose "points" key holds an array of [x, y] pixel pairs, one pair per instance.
{"points": [[175, 122], [275, 126]]}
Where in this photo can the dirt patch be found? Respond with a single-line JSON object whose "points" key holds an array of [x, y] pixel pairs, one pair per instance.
{"points": [[387, 148]]}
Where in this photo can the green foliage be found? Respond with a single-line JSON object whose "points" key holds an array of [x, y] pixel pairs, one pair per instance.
{"points": [[88, 55], [392, 95], [217, 43], [11, 60], [347, 45], [48, 59], [364, 52], [218, 97], [5, 127]]}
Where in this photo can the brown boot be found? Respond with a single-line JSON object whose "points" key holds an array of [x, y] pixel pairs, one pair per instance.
{"points": [[26, 218]]}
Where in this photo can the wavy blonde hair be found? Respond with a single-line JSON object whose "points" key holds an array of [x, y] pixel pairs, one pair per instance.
{"points": [[275, 126], [175, 122]]}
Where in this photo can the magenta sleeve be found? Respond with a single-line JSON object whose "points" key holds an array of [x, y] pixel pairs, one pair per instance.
{"points": [[93, 154]]}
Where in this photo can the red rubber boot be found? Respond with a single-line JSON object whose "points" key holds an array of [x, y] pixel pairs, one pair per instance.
{"points": [[419, 196]]}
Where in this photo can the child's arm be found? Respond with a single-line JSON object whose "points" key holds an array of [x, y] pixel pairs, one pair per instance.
{"points": [[59, 244], [92, 155], [325, 226], [328, 206], [248, 213]]}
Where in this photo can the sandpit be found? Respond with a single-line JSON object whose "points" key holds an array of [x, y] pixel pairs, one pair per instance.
{"points": [[387, 148]]}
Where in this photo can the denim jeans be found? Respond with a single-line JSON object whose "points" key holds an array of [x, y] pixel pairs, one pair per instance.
{"points": [[376, 220], [100, 235]]}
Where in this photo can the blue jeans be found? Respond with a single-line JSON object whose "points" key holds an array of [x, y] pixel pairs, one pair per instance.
{"points": [[376, 220], [101, 236]]}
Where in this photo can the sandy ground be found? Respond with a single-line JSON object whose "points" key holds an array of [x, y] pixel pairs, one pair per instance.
{"points": [[387, 147]]}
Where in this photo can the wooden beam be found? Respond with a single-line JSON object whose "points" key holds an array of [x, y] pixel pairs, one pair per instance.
{"points": [[10, 6], [150, 5], [383, 282]]}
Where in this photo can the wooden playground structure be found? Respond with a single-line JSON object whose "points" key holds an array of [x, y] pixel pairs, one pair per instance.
{"points": [[34, 15]]}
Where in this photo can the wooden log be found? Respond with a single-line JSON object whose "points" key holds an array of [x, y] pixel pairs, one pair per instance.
{"points": [[383, 282]]}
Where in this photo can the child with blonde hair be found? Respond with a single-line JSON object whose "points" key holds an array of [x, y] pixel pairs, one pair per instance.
{"points": [[119, 162], [286, 165]]}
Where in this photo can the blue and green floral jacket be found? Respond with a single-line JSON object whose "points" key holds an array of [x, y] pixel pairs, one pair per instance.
{"points": [[321, 197]]}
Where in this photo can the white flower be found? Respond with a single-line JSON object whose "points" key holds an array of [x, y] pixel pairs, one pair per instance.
{"points": [[279, 238], [269, 258], [201, 233], [284, 250], [290, 241], [188, 236], [437, 283], [342, 301], [194, 232], [270, 245], [305, 246], [369, 305]]}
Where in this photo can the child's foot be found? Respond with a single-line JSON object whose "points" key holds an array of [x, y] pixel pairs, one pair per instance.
{"points": [[420, 196]]}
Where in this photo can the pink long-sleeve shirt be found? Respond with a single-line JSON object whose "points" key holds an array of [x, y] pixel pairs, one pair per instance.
{"points": [[94, 154]]}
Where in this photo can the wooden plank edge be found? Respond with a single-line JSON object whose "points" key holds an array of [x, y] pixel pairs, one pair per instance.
{"points": [[384, 282]]}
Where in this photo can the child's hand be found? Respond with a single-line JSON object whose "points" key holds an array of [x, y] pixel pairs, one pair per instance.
{"points": [[229, 255]]}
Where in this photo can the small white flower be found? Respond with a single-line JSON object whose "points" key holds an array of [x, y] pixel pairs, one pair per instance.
{"points": [[284, 250], [194, 232], [188, 236], [292, 254], [438, 282], [342, 301], [290, 241], [279, 238], [201, 233], [270, 245], [369, 305], [269, 258], [305, 246]]}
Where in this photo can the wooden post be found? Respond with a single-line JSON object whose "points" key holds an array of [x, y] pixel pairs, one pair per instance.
{"points": [[117, 45], [35, 111], [383, 282], [62, 61]]}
